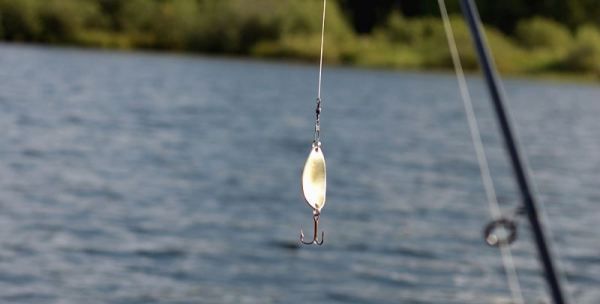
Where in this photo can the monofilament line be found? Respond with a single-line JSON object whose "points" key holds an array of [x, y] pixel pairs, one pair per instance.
{"points": [[486, 177], [321, 56]]}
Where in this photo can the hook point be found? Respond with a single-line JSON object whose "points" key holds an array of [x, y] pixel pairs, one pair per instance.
{"points": [[315, 239]]}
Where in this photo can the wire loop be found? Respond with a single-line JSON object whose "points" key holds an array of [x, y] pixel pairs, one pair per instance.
{"points": [[493, 238]]}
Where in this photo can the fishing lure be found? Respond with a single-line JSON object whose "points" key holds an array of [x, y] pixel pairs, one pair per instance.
{"points": [[314, 175], [314, 186]]}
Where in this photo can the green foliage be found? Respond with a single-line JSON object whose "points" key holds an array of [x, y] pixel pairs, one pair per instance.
{"points": [[20, 20], [509, 57], [173, 22], [62, 20], [500, 14], [236, 26], [46, 21], [543, 33], [300, 33], [585, 54], [427, 38], [292, 29], [379, 53], [136, 16]]}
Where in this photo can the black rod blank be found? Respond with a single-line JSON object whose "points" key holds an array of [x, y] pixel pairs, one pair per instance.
{"points": [[469, 10]]}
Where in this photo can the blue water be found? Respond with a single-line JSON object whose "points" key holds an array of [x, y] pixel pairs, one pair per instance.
{"points": [[141, 178]]}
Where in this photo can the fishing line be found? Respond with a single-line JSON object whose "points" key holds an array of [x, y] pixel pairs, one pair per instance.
{"points": [[322, 43], [486, 177], [318, 109]]}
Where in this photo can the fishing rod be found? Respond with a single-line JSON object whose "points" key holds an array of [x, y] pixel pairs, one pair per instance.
{"points": [[530, 204]]}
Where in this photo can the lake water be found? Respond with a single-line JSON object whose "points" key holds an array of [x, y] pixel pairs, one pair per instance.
{"points": [[141, 178]]}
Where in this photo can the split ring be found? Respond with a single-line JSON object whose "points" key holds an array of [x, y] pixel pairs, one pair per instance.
{"points": [[493, 239]]}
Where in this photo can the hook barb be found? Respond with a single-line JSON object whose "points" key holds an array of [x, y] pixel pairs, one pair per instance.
{"points": [[315, 239]]}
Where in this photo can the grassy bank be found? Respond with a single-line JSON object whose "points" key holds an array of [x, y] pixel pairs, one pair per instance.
{"points": [[291, 29]]}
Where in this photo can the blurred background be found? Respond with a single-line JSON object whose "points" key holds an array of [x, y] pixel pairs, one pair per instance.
{"points": [[529, 37], [146, 158]]}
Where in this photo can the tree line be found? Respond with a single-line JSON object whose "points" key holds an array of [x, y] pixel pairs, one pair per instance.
{"points": [[504, 15], [533, 36]]}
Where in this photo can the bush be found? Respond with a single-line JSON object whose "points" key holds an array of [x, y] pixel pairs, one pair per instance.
{"points": [[427, 37], [543, 33], [380, 53], [434, 45], [173, 22], [136, 16], [300, 33], [46, 21], [584, 56], [20, 20], [62, 20], [236, 26], [509, 57], [396, 29]]}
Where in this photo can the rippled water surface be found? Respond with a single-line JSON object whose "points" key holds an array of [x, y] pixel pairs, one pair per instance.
{"points": [[139, 178]]}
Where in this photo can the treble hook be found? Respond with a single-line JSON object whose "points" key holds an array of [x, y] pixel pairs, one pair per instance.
{"points": [[315, 240]]}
